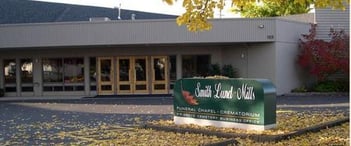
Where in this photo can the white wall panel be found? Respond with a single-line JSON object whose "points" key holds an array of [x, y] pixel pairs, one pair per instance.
{"points": [[327, 18], [261, 61], [288, 74], [132, 32]]}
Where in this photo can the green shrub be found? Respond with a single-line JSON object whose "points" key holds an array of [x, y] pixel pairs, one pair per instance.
{"points": [[300, 89], [229, 71], [214, 69], [332, 86], [2, 92], [226, 71]]}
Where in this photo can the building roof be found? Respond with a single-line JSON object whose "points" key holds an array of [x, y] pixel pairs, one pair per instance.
{"points": [[24, 11], [146, 32]]}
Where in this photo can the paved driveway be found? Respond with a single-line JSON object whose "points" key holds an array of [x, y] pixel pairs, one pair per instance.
{"points": [[43, 122], [50, 121], [314, 102]]}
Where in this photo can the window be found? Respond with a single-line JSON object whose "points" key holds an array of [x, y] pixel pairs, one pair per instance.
{"points": [[159, 68], [92, 73], [73, 70], [52, 70], [173, 70], [26, 70], [26, 75], [63, 74], [10, 70], [195, 65], [140, 69], [10, 75]]}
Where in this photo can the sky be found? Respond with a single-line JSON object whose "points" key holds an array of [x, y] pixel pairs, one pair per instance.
{"points": [[156, 6]]}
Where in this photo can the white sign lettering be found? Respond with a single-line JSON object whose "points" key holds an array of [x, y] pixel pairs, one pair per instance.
{"points": [[225, 94], [245, 93], [207, 92]]}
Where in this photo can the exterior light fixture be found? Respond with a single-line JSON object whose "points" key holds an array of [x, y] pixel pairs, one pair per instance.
{"points": [[261, 26], [242, 55]]}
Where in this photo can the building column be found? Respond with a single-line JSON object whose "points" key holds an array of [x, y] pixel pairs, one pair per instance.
{"points": [[86, 75], [179, 66], [2, 79], [18, 77], [37, 76]]}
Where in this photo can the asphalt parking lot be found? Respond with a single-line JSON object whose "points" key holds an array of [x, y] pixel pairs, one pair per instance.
{"points": [[38, 121]]}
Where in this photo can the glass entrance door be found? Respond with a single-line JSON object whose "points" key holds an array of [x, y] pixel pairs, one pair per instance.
{"points": [[124, 75], [159, 74], [132, 75], [105, 75], [140, 74]]}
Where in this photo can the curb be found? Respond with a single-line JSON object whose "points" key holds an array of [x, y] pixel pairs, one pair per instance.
{"points": [[82, 99], [133, 95], [336, 94], [224, 142], [255, 137], [34, 100]]}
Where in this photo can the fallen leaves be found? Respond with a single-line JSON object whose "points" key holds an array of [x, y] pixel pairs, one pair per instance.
{"points": [[39, 126], [119, 135], [72, 128], [338, 135], [288, 121], [152, 137]]}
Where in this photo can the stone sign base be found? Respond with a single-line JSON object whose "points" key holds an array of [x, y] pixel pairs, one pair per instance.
{"points": [[203, 122]]}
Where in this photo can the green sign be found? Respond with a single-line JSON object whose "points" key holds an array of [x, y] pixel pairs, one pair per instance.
{"points": [[234, 103]]}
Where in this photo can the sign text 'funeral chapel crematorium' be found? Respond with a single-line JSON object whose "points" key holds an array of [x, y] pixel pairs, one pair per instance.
{"points": [[235, 103]]}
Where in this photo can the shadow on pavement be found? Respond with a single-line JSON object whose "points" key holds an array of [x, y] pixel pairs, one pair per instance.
{"points": [[130, 100], [25, 125]]}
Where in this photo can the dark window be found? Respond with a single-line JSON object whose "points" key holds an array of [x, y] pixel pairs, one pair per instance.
{"points": [[159, 86], [195, 65], [10, 75], [92, 73], [26, 70], [92, 69], [10, 71], [140, 87], [173, 70]]}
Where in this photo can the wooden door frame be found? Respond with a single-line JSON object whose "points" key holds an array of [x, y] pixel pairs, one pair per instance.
{"points": [[112, 74], [130, 82], [146, 82], [155, 82], [115, 76]]}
